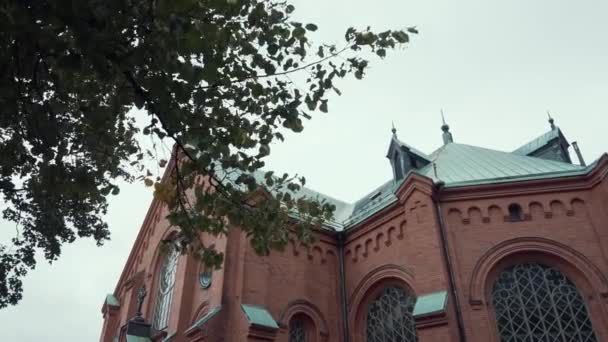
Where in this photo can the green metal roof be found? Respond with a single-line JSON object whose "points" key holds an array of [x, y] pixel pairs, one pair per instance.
{"points": [[460, 164], [138, 339], [112, 300], [411, 148], [538, 142], [258, 315], [201, 321], [456, 165], [432, 303]]}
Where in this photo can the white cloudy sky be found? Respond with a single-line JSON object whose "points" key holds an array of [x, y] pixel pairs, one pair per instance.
{"points": [[495, 67]]}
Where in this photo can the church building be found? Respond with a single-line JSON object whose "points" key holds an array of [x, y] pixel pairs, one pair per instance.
{"points": [[462, 244]]}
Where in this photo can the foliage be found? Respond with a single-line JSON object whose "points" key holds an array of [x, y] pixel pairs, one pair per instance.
{"points": [[213, 76]]}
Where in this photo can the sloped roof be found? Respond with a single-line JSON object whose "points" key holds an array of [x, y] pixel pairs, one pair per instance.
{"points": [[456, 165], [411, 148], [538, 142], [459, 164]]}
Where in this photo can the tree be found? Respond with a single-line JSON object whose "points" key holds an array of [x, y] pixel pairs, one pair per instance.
{"points": [[213, 76]]}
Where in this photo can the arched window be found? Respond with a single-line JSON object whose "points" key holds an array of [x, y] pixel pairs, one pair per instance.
{"points": [[166, 283], [534, 302], [398, 166], [297, 330], [389, 317], [515, 212]]}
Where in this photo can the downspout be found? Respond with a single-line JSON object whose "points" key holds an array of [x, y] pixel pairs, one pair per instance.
{"points": [[448, 263], [342, 279]]}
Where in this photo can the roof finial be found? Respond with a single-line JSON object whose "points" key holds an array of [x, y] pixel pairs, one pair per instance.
{"points": [[551, 121], [394, 130], [447, 136]]}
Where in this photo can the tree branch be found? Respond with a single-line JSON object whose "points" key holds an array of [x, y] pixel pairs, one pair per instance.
{"points": [[287, 72]]}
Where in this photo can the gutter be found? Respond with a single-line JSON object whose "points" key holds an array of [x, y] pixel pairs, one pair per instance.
{"points": [[448, 263], [341, 237]]}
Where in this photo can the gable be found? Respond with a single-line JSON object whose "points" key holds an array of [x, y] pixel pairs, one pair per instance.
{"points": [[551, 145]]}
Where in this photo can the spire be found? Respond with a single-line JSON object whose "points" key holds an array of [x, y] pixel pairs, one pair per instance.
{"points": [[447, 136], [394, 130], [551, 121]]}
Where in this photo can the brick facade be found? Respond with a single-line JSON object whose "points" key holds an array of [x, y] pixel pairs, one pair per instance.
{"points": [[433, 238]]}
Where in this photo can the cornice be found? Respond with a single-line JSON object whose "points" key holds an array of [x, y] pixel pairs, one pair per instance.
{"points": [[146, 225], [528, 187], [378, 219], [413, 182]]}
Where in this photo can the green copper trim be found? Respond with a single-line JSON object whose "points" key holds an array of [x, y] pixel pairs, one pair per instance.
{"points": [[429, 304], [138, 339], [258, 315], [112, 300], [201, 321], [169, 337]]}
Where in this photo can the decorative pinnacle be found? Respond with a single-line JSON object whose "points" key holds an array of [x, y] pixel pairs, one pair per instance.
{"points": [[394, 130], [551, 121], [447, 136], [445, 126], [141, 295]]}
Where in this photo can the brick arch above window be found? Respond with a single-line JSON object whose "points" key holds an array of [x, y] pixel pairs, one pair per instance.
{"points": [[154, 274], [574, 264], [302, 307], [370, 288]]}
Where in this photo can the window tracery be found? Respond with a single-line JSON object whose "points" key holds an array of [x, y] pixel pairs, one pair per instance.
{"points": [[389, 317], [534, 302], [166, 284]]}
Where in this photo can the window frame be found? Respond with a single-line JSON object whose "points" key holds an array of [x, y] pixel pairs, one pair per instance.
{"points": [[553, 305], [377, 295], [161, 261]]}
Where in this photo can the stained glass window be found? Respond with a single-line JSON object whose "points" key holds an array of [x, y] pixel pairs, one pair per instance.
{"points": [[389, 317], [534, 302], [166, 283], [297, 330]]}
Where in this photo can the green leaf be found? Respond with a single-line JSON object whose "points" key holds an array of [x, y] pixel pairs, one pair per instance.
{"points": [[323, 106], [401, 36], [298, 32], [311, 27]]}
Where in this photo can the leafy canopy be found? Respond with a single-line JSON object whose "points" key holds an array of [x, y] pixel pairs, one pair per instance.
{"points": [[213, 76]]}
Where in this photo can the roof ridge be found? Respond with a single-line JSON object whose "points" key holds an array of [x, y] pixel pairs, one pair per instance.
{"points": [[527, 157]]}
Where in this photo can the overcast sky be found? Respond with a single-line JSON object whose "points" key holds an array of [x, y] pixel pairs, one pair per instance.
{"points": [[494, 67]]}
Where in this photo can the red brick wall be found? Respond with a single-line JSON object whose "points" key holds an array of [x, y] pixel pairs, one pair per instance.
{"points": [[402, 246], [562, 229], [565, 225], [299, 275]]}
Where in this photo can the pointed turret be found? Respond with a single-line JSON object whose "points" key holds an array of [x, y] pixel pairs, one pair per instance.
{"points": [[551, 121], [403, 157], [551, 145], [447, 136]]}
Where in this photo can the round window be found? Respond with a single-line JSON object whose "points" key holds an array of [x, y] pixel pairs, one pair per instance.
{"points": [[205, 278]]}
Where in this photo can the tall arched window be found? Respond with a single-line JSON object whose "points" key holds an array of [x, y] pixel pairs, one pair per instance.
{"points": [[534, 302], [297, 330], [389, 317], [166, 283]]}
